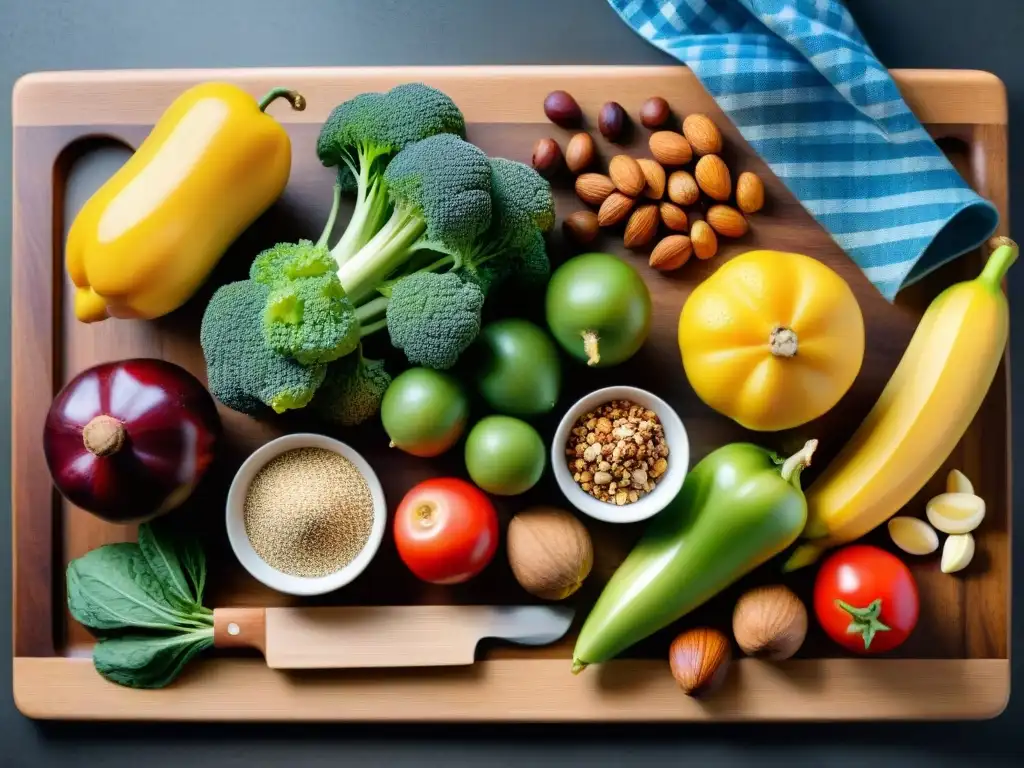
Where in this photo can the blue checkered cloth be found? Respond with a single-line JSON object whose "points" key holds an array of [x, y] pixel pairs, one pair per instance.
{"points": [[806, 92]]}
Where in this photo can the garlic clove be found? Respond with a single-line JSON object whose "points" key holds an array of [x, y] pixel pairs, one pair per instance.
{"points": [[956, 512], [913, 536], [957, 482], [957, 552]]}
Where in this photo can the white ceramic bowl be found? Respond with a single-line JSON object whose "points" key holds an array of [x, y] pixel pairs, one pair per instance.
{"points": [[259, 568], [669, 484]]}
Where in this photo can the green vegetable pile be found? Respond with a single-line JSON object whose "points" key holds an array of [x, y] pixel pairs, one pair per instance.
{"points": [[145, 603], [436, 228]]}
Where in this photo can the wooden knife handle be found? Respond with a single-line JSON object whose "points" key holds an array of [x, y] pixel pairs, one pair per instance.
{"points": [[240, 628]]}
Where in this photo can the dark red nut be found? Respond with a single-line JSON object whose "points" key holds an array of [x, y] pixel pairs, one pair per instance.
{"points": [[547, 157], [612, 121], [655, 112], [562, 109]]}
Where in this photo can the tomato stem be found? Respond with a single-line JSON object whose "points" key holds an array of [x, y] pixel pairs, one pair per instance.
{"points": [[425, 515], [864, 621]]}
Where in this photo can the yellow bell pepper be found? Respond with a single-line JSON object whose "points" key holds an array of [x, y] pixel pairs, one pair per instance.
{"points": [[772, 339], [149, 237]]}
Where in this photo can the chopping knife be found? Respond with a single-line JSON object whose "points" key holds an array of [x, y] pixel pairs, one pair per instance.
{"points": [[386, 636]]}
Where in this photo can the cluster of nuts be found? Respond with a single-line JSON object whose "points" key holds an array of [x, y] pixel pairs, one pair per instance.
{"points": [[617, 452], [634, 189]]}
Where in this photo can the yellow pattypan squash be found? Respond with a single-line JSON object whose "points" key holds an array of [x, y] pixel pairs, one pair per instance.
{"points": [[772, 339]]}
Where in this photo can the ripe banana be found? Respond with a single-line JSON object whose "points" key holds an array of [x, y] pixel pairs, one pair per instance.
{"points": [[920, 416]]}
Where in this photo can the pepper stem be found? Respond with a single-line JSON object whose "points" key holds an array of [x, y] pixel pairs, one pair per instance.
{"points": [[782, 341], [795, 464], [999, 261], [296, 99], [590, 340], [864, 621], [103, 435]]}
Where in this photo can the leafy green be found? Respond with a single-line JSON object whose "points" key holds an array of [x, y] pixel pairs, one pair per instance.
{"points": [[113, 587], [191, 553], [154, 587], [145, 661], [166, 555]]}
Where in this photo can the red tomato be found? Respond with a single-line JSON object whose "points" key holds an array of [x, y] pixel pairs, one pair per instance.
{"points": [[866, 599], [446, 530]]}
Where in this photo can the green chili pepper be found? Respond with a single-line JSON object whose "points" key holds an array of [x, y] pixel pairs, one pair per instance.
{"points": [[740, 506]]}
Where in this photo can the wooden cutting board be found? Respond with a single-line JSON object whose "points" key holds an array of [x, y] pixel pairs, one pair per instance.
{"points": [[954, 666]]}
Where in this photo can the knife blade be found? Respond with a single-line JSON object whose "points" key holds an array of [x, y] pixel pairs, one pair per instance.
{"points": [[383, 636]]}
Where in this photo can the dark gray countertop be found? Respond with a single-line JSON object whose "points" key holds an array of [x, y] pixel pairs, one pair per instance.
{"points": [[94, 34]]}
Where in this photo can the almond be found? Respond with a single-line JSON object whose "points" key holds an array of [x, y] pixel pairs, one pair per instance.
{"points": [[654, 175], [703, 134], [671, 253], [712, 176], [674, 217], [579, 153], [702, 237], [670, 148], [641, 227], [626, 175], [593, 188], [727, 221], [682, 188], [614, 209], [749, 192], [581, 226]]}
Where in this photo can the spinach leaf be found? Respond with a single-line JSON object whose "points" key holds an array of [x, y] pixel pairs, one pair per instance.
{"points": [[159, 547], [148, 661], [195, 565], [113, 587]]}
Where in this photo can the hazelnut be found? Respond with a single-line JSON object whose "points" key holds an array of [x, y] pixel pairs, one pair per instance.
{"points": [[581, 226], [547, 157], [654, 112]]}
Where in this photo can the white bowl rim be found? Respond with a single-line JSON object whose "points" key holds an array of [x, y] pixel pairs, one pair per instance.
{"points": [[669, 484], [257, 567]]}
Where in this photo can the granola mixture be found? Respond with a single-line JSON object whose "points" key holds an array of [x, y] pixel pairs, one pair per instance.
{"points": [[617, 452]]}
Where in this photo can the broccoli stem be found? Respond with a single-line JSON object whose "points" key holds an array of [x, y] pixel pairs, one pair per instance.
{"points": [[372, 309], [371, 205], [382, 255], [332, 217], [371, 328]]}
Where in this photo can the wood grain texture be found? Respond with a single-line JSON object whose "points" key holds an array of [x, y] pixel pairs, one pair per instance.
{"points": [[506, 94], [965, 616], [525, 691]]}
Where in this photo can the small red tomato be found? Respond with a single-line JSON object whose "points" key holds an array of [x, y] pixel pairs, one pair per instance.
{"points": [[866, 599], [446, 530]]}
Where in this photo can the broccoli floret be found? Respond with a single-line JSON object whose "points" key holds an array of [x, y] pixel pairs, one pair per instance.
{"points": [[361, 136], [522, 199], [242, 371], [311, 320], [290, 261], [307, 316], [529, 264], [434, 318], [352, 391], [440, 189]]}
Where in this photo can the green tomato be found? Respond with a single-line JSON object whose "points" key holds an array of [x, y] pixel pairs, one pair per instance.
{"points": [[424, 412], [517, 368], [598, 309], [504, 456]]}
